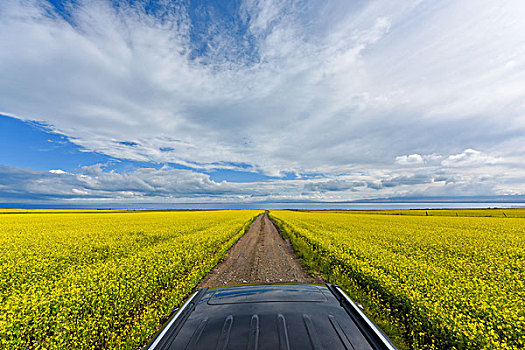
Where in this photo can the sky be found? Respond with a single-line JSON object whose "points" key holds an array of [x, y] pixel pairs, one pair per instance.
{"points": [[249, 101]]}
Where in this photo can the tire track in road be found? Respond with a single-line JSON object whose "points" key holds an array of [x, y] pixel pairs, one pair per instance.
{"points": [[260, 256]]}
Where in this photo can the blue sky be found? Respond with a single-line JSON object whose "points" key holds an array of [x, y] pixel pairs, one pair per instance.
{"points": [[246, 101]]}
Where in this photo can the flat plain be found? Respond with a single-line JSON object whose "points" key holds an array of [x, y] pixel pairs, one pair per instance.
{"points": [[93, 279]]}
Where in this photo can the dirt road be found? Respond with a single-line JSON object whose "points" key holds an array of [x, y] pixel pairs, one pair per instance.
{"points": [[260, 256]]}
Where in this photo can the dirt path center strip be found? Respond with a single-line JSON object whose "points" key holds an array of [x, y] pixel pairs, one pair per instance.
{"points": [[260, 256]]}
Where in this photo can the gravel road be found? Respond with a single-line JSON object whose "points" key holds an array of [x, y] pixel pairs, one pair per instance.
{"points": [[260, 256]]}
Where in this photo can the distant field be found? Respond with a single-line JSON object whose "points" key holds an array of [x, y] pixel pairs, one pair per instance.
{"points": [[445, 281], [496, 213], [103, 279]]}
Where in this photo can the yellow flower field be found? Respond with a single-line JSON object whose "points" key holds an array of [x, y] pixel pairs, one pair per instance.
{"points": [[103, 280], [497, 213], [453, 282]]}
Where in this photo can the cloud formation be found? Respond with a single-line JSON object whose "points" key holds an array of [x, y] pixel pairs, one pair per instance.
{"points": [[410, 159], [96, 183], [393, 90], [470, 158]]}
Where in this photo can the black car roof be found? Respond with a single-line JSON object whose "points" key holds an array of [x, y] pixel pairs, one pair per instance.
{"points": [[291, 316]]}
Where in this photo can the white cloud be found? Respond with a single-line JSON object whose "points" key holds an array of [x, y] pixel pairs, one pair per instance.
{"points": [[167, 185], [326, 87], [413, 159], [470, 158], [57, 171], [79, 192]]}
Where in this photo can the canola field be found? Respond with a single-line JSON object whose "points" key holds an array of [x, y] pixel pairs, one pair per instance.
{"points": [[103, 280], [496, 213], [450, 282]]}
